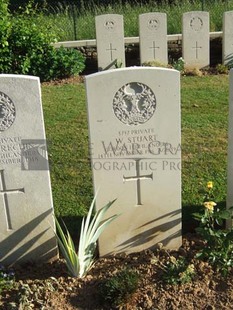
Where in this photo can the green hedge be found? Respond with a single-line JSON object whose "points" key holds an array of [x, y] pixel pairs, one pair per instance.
{"points": [[25, 49]]}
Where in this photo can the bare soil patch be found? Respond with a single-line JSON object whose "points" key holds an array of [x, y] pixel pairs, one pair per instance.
{"points": [[49, 286]]}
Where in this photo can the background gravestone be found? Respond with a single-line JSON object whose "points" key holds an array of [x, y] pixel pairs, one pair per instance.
{"points": [[227, 46], [26, 230], [195, 39], [230, 150], [134, 125], [153, 37], [110, 41]]}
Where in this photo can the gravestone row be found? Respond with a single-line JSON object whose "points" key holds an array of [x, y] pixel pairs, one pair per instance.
{"points": [[153, 39]]}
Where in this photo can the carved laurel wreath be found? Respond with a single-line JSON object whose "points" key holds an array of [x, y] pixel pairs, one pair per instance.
{"points": [[7, 112], [134, 103]]}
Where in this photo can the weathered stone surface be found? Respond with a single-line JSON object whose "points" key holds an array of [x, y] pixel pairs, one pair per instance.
{"points": [[26, 230], [134, 124], [110, 41], [230, 150], [195, 41], [227, 40], [153, 37]]}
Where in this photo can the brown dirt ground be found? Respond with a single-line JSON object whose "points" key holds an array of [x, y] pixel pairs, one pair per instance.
{"points": [[80, 78], [49, 286]]}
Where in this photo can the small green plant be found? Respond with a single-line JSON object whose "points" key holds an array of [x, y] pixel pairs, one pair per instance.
{"points": [[33, 295], [179, 65], [118, 64], [6, 278], [177, 271], [62, 63], [218, 249], [78, 263], [222, 69], [120, 287]]}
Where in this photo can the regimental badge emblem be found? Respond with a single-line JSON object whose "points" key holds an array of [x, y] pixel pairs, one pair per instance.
{"points": [[7, 112], [196, 23], [109, 24], [134, 103], [153, 24]]}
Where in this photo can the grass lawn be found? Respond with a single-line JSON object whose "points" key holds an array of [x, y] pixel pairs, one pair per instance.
{"points": [[204, 144]]}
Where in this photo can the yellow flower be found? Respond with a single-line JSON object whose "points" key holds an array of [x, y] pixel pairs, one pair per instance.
{"points": [[191, 268], [210, 185], [173, 260], [210, 205]]}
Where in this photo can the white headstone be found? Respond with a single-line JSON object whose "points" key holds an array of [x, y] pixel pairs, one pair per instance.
{"points": [[26, 209], [227, 46], [153, 37], [195, 39], [134, 125], [110, 41], [230, 150]]}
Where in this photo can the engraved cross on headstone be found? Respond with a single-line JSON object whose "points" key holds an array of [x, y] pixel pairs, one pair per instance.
{"points": [[197, 47], [111, 49], [138, 178], [4, 192], [154, 48]]}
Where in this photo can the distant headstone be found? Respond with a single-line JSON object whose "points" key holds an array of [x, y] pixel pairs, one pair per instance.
{"points": [[227, 40], [195, 39], [230, 150], [110, 41], [153, 37], [134, 125], [27, 224]]}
